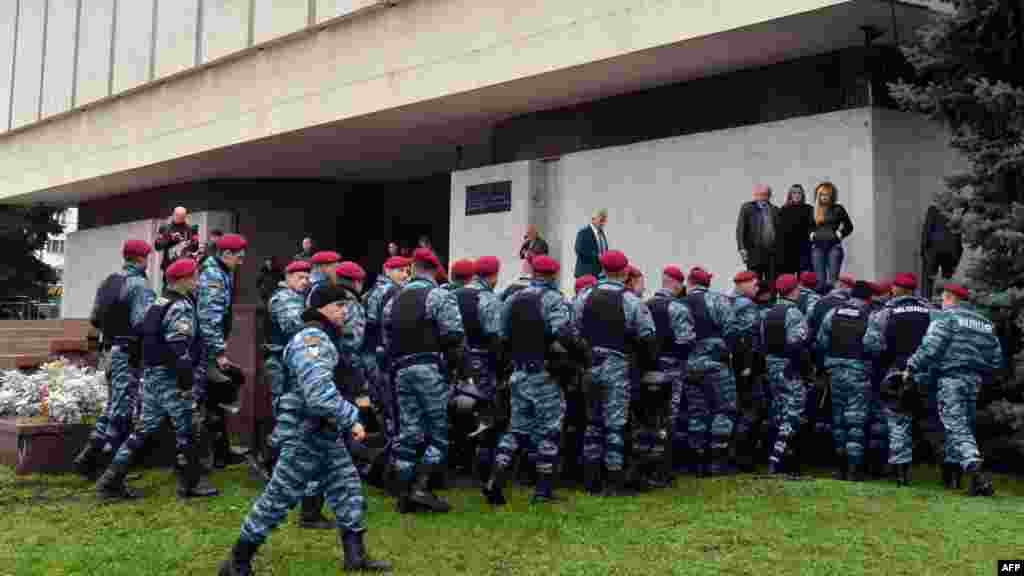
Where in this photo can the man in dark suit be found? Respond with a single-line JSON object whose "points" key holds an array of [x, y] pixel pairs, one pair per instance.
{"points": [[590, 244], [533, 244], [756, 233]]}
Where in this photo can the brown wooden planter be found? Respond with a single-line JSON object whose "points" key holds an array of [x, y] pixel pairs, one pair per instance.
{"points": [[32, 446]]}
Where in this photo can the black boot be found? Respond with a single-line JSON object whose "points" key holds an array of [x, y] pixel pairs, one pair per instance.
{"points": [[545, 491], [618, 484], [951, 474], [720, 463], [494, 489], [842, 465], [191, 483], [592, 477], [421, 495], [85, 464], [635, 477], [239, 562], [903, 474], [402, 489], [356, 559], [312, 515], [981, 481], [856, 472], [110, 485]]}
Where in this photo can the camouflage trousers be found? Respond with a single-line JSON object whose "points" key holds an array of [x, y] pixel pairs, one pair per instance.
{"points": [[277, 378], [604, 437], [537, 412], [958, 398], [160, 397], [714, 408], [654, 412], [422, 394], [115, 424], [303, 458], [851, 387], [901, 441], [787, 393]]}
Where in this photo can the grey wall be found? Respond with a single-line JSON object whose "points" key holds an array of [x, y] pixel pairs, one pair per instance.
{"points": [[68, 53]]}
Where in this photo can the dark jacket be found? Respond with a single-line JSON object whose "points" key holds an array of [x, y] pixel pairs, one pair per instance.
{"points": [[748, 227], [537, 246], [793, 234], [586, 248], [937, 237], [175, 241], [828, 230]]}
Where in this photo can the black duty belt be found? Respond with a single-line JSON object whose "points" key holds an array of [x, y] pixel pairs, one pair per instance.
{"points": [[415, 360]]}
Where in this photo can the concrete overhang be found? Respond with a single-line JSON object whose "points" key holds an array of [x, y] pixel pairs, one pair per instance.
{"points": [[278, 113]]}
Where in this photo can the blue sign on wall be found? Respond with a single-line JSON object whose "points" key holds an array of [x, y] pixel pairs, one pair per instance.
{"points": [[489, 198]]}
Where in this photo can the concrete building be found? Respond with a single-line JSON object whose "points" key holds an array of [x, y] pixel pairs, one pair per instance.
{"points": [[53, 254], [363, 121]]}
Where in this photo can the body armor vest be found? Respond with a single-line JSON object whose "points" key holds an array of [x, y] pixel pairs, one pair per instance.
{"points": [[511, 290], [527, 331], [413, 332], [373, 328], [469, 307], [667, 347], [604, 320], [821, 310], [155, 350], [801, 302], [908, 322], [114, 311], [849, 323], [702, 323], [773, 331]]}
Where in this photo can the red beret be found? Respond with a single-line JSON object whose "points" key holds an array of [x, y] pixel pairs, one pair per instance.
{"points": [[808, 279], [462, 268], [847, 279], [298, 266], [426, 256], [614, 261], [882, 287], [674, 272], [232, 242], [700, 276], [584, 281], [905, 280], [956, 289], [786, 283], [325, 257], [546, 264], [350, 270], [634, 272], [136, 248], [744, 276], [396, 262], [486, 265], [182, 268]]}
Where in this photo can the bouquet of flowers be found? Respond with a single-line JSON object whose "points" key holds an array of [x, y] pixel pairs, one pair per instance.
{"points": [[58, 391]]}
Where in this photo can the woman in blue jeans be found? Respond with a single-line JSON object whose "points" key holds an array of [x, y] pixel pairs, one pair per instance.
{"points": [[831, 226]]}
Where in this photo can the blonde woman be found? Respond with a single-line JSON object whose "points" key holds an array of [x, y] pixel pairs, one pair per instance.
{"points": [[831, 226]]}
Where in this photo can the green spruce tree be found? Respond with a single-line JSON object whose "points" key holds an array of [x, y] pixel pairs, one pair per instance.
{"points": [[24, 231], [970, 75]]}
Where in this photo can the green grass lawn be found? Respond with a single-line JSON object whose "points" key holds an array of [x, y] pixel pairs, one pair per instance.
{"points": [[741, 525]]}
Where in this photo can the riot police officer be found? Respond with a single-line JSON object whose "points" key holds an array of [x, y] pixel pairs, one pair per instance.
{"points": [[747, 365], [893, 334], [841, 340], [387, 286], [325, 271]]}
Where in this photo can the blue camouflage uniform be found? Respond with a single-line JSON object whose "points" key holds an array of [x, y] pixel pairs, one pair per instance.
{"points": [[115, 424], [807, 300], [850, 371], [374, 306], [177, 336], [784, 339], [286, 307], [604, 436], [481, 362], [742, 336], [421, 386], [537, 404], [214, 293], [313, 424], [962, 347], [676, 338], [711, 385], [876, 343], [317, 280]]}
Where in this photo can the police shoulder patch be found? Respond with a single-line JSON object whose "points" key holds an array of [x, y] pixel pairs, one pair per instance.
{"points": [[183, 326], [214, 284], [311, 339]]}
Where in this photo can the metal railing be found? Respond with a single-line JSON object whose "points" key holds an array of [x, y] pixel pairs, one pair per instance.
{"points": [[28, 310]]}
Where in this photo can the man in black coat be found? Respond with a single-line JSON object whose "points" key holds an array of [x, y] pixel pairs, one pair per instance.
{"points": [[591, 242], [533, 244], [941, 248], [756, 233]]}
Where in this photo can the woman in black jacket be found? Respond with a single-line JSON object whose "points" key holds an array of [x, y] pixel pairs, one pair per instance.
{"points": [[831, 226], [796, 218]]}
